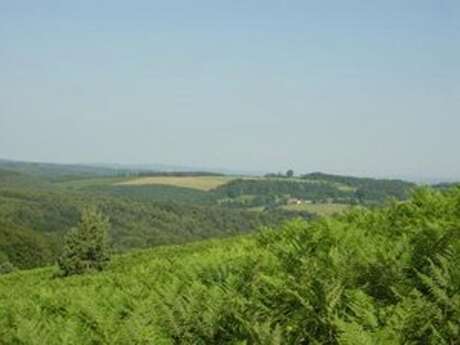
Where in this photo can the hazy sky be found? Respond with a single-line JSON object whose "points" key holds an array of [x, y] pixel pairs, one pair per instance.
{"points": [[357, 87]]}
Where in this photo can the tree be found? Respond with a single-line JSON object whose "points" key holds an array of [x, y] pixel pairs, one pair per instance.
{"points": [[86, 247], [290, 173], [5, 265]]}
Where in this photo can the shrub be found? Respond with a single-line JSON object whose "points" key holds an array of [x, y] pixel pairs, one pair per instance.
{"points": [[5, 265], [86, 247]]}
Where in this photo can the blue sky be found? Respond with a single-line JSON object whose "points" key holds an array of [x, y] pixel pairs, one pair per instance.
{"points": [[356, 87]]}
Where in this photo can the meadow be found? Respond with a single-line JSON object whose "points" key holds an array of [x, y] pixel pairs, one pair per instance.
{"points": [[204, 183]]}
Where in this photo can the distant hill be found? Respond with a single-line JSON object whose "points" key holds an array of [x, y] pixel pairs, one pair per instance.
{"points": [[318, 188], [56, 171], [39, 203], [367, 189], [52, 170]]}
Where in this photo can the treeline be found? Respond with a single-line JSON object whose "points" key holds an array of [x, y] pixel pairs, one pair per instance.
{"points": [[314, 188], [63, 172], [44, 216], [21, 247], [367, 189], [272, 187]]}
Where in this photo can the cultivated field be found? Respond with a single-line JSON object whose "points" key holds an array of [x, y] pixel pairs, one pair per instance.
{"points": [[196, 182]]}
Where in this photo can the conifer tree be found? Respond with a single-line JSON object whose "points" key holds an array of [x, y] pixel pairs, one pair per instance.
{"points": [[86, 247]]}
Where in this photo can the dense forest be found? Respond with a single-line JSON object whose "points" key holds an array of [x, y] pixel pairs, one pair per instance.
{"points": [[316, 187], [366, 189], [41, 202], [384, 276], [36, 212]]}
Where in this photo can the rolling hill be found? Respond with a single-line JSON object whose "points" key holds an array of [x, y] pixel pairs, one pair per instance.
{"points": [[384, 276], [40, 202], [37, 210]]}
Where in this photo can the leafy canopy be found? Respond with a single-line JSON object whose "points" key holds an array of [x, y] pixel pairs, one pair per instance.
{"points": [[86, 247]]}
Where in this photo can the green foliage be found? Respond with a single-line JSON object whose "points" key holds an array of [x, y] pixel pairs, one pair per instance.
{"points": [[86, 247], [5, 265], [315, 187], [40, 202], [157, 193], [387, 276], [35, 217], [25, 248], [366, 190], [271, 187]]}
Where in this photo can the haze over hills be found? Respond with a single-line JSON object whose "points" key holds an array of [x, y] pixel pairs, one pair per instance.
{"points": [[107, 168], [119, 168], [229, 172]]}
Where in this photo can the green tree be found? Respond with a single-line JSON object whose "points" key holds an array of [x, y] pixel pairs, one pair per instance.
{"points": [[5, 265], [290, 173], [86, 247]]}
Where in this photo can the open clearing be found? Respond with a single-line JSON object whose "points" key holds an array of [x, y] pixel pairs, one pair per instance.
{"points": [[196, 182]]}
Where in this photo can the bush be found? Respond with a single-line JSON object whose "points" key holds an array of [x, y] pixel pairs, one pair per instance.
{"points": [[86, 247], [6, 267]]}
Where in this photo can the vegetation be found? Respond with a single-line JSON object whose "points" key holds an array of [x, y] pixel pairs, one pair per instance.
{"points": [[323, 209], [272, 191], [196, 182], [37, 210], [40, 202], [22, 247], [34, 222], [317, 187], [5, 265], [155, 193], [384, 276], [366, 190], [86, 247]]}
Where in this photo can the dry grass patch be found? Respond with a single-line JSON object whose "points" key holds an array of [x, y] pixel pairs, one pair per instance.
{"points": [[196, 182]]}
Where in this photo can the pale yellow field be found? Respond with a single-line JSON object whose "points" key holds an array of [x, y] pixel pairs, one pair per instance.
{"points": [[197, 182]]}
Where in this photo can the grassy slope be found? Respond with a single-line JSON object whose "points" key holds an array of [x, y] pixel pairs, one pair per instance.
{"points": [[205, 183], [80, 183], [388, 276]]}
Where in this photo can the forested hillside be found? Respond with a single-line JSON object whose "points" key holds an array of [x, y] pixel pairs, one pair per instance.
{"points": [[316, 187], [40, 202], [383, 276], [36, 211], [366, 189]]}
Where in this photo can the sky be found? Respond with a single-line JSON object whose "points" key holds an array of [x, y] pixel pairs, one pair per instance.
{"points": [[351, 87]]}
